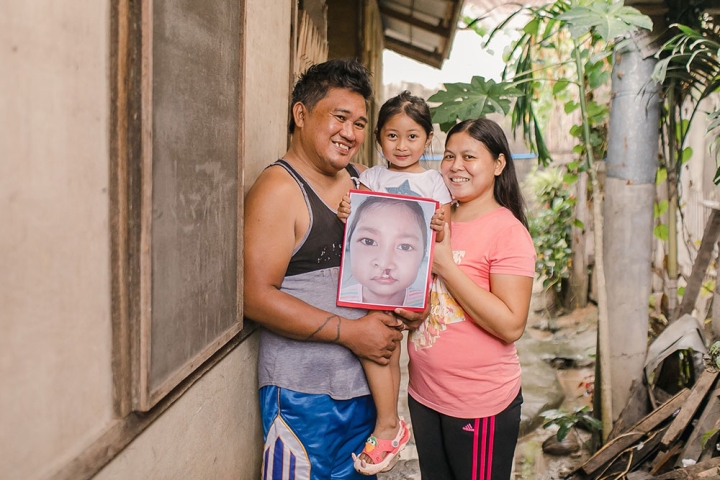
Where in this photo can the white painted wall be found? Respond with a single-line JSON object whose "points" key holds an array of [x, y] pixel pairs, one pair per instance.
{"points": [[55, 346]]}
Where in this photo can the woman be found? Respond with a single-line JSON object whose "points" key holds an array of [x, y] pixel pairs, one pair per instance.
{"points": [[464, 389]]}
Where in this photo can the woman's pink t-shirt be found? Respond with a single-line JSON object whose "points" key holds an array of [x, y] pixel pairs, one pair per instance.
{"points": [[456, 367]]}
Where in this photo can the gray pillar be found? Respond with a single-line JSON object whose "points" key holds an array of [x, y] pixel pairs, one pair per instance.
{"points": [[628, 213]]}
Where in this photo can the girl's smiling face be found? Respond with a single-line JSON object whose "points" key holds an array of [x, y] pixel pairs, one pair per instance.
{"points": [[403, 142], [386, 249]]}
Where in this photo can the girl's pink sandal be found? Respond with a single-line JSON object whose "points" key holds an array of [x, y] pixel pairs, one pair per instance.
{"points": [[375, 448]]}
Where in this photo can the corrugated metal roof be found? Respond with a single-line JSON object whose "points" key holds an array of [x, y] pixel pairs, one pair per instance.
{"points": [[424, 29], [420, 29]]}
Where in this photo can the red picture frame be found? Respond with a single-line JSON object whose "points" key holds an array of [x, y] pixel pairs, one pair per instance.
{"points": [[387, 252]]}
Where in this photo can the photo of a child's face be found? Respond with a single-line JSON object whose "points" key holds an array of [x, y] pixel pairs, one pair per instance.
{"points": [[387, 245], [386, 256]]}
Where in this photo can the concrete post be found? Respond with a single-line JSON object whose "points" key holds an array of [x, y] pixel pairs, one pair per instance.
{"points": [[628, 231]]}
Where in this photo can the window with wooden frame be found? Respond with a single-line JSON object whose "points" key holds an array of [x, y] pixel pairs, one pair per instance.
{"points": [[176, 207], [177, 191]]}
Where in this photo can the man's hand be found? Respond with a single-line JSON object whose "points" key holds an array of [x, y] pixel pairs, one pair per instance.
{"points": [[412, 320], [374, 336]]}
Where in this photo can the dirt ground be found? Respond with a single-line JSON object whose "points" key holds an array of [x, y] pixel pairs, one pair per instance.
{"points": [[578, 329], [576, 379]]}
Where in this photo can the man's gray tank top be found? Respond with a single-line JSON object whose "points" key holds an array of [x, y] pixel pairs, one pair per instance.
{"points": [[312, 276]]}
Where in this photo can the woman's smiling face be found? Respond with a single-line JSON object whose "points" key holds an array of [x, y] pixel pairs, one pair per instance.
{"points": [[469, 169], [386, 249]]}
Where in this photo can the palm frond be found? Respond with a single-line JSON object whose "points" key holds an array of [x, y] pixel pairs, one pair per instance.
{"points": [[690, 62]]}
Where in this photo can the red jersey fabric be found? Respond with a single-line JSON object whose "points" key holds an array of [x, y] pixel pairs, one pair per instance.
{"points": [[456, 367]]}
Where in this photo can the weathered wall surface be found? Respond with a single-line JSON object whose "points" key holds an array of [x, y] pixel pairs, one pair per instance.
{"points": [[55, 347], [267, 84], [54, 235], [212, 431]]}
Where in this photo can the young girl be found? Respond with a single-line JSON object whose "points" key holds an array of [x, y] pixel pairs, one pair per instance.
{"points": [[404, 129], [464, 390]]}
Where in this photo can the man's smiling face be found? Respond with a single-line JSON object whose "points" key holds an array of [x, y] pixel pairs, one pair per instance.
{"points": [[334, 129]]}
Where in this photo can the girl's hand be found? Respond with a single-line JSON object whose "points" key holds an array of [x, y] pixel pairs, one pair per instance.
{"points": [[412, 320], [437, 222], [344, 209], [443, 255]]}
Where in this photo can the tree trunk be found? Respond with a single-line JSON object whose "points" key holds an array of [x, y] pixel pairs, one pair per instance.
{"points": [[579, 278], [715, 325], [629, 198], [700, 266], [603, 327]]}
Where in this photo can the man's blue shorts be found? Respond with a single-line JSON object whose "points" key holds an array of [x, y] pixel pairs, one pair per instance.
{"points": [[311, 437]]}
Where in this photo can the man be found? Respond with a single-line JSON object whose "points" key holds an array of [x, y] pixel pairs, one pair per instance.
{"points": [[315, 404]]}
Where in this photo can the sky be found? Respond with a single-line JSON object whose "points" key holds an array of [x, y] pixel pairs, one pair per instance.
{"points": [[468, 57]]}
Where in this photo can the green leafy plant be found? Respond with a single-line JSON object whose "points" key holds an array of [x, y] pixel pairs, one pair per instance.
{"points": [[580, 417], [713, 129], [476, 99], [712, 358], [469, 23], [660, 208], [688, 71], [551, 221], [707, 436]]}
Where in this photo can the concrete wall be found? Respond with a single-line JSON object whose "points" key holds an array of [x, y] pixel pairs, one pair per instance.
{"points": [[55, 347], [54, 235], [214, 431], [267, 84], [211, 432]]}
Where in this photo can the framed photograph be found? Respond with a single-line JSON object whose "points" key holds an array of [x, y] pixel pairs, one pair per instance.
{"points": [[387, 252]]}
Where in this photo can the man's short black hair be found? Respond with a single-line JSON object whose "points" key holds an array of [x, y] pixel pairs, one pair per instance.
{"points": [[315, 83]]}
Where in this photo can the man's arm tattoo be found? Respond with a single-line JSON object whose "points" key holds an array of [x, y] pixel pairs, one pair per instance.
{"points": [[327, 320]]}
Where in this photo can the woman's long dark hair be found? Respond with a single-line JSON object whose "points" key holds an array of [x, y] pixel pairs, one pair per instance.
{"points": [[507, 189]]}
